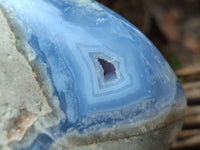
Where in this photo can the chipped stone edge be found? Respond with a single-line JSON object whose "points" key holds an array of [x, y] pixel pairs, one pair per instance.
{"points": [[40, 74], [48, 108]]}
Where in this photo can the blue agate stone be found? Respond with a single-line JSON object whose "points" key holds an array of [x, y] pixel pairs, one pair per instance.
{"points": [[107, 84]]}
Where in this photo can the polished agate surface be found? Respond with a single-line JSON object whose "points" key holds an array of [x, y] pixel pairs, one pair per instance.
{"points": [[103, 79]]}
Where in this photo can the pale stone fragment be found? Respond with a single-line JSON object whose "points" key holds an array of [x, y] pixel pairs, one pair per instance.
{"points": [[21, 99]]}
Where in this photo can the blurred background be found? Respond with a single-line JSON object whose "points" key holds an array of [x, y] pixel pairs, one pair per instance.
{"points": [[174, 27]]}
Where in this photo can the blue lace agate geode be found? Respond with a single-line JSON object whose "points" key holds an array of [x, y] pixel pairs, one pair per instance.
{"points": [[108, 81]]}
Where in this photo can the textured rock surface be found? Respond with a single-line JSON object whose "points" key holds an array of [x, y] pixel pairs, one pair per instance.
{"points": [[21, 99], [109, 80], [149, 141]]}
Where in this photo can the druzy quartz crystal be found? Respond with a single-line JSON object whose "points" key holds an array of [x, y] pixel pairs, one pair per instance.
{"points": [[83, 77]]}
